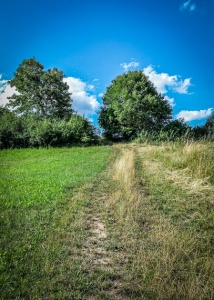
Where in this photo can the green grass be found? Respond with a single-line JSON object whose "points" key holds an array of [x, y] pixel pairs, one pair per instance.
{"points": [[31, 177], [42, 220], [154, 205]]}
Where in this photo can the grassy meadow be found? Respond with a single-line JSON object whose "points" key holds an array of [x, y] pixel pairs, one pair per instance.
{"points": [[132, 221], [39, 217]]}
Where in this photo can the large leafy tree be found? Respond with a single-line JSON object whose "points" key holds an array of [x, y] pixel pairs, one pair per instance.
{"points": [[131, 104], [40, 92]]}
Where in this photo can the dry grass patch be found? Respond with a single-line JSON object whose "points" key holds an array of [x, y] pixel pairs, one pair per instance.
{"points": [[158, 229], [184, 230], [195, 159]]}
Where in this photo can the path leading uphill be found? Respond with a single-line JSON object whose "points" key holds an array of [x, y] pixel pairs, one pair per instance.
{"points": [[139, 225]]}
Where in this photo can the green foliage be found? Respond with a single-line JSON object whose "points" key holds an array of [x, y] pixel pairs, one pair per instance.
{"points": [[200, 132], [132, 104], [209, 125], [3, 110], [11, 130], [29, 131], [173, 131], [41, 112], [41, 92], [176, 130], [178, 127], [206, 131]]}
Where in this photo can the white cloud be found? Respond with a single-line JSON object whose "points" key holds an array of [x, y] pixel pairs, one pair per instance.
{"points": [[181, 87], [164, 82], [170, 100], [132, 64], [7, 92], [100, 95], [190, 115], [188, 6], [83, 102]]}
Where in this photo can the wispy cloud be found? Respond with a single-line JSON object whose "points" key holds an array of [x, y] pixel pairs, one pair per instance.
{"points": [[192, 7], [188, 6], [90, 87], [127, 66], [190, 115], [83, 101]]}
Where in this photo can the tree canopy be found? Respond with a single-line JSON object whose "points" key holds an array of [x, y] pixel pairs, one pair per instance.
{"points": [[41, 113], [40, 92], [131, 104]]}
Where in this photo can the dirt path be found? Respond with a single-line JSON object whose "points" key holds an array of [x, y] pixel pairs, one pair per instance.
{"points": [[95, 245], [103, 255]]}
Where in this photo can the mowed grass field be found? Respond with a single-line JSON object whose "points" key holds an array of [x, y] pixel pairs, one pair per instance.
{"points": [[130, 221], [38, 215], [43, 176]]}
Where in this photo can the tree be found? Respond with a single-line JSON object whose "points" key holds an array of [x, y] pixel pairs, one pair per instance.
{"points": [[18, 131], [177, 128], [3, 110], [11, 129], [209, 125], [131, 103], [40, 92]]}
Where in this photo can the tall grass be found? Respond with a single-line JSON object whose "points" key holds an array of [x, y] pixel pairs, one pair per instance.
{"points": [[199, 159], [157, 137], [164, 233], [185, 208], [195, 158]]}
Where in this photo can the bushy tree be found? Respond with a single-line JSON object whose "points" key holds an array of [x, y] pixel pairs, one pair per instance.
{"points": [[209, 125], [11, 130], [132, 104], [199, 132], [177, 128], [40, 92], [29, 131]]}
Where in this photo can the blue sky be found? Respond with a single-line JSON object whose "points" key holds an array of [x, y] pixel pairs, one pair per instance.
{"points": [[93, 41]]}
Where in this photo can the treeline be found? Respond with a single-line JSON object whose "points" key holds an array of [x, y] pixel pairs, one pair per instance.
{"points": [[29, 131], [40, 113]]}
